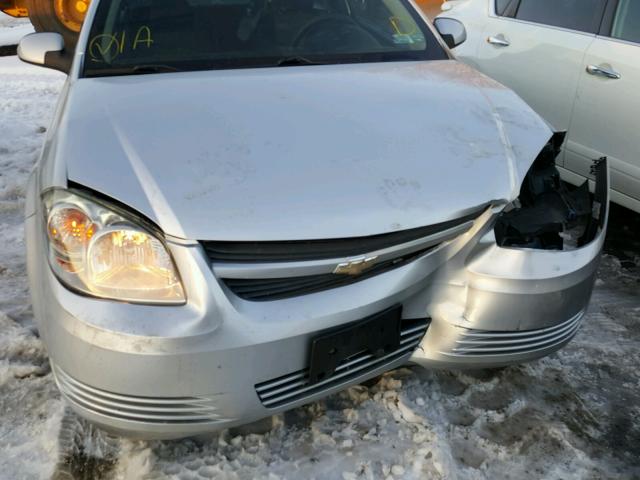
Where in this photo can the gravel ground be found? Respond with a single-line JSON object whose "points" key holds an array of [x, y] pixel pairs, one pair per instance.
{"points": [[573, 415]]}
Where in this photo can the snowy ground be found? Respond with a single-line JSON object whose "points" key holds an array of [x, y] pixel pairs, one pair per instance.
{"points": [[12, 30], [575, 415]]}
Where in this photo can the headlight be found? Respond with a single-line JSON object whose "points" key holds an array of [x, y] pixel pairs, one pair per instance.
{"points": [[101, 251]]}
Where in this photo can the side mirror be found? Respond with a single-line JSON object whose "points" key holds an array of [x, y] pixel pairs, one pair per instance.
{"points": [[46, 50], [452, 31], [446, 6]]}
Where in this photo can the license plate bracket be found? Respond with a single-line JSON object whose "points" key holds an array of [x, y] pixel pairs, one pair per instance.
{"points": [[378, 335]]}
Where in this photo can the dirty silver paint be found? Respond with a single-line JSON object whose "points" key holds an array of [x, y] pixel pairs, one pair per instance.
{"points": [[371, 146]]}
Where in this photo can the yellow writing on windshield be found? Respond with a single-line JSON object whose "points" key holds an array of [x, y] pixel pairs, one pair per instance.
{"points": [[143, 36], [106, 47], [398, 27]]}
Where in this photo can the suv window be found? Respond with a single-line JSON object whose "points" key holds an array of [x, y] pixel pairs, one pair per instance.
{"points": [[626, 25], [580, 15], [153, 36], [506, 8]]}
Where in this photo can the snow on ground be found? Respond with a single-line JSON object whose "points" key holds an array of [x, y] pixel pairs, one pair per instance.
{"points": [[29, 404], [13, 29], [8, 23], [574, 415]]}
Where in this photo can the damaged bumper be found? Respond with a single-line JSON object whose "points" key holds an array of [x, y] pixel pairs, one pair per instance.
{"points": [[514, 304]]}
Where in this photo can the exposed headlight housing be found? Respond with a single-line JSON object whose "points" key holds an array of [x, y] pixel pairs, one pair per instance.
{"points": [[99, 250], [549, 215]]}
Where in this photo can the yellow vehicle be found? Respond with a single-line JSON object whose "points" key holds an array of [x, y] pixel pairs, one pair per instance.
{"points": [[430, 7], [66, 16], [62, 16]]}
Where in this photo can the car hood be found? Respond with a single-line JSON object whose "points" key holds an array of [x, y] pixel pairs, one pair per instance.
{"points": [[299, 152]]}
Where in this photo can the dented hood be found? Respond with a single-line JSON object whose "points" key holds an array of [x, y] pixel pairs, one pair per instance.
{"points": [[299, 152]]}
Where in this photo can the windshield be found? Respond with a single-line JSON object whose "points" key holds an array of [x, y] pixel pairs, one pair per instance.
{"points": [[149, 36]]}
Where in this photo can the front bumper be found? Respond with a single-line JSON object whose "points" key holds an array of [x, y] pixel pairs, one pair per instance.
{"points": [[220, 361]]}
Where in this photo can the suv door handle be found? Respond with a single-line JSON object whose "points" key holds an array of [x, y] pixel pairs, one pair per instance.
{"points": [[499, 41], [604, 72]]}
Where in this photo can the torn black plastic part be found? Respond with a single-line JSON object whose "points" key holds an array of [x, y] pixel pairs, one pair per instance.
{"points": [[551, 215], [599, 211]]}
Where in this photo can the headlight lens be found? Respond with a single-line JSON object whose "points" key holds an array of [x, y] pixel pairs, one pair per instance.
{"points": [[98, 250]]}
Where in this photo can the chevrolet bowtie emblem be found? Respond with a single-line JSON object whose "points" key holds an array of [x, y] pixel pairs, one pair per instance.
{"points": [[356, 266]]}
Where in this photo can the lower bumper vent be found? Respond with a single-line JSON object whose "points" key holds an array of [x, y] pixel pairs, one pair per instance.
{"points": [[177, 410], [485, 343], [295, 386]]}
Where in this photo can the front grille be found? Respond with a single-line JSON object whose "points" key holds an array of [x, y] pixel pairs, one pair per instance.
{"points": [[266, 289], [480, 343], [295, 386], [293, 251], [176, 410]]}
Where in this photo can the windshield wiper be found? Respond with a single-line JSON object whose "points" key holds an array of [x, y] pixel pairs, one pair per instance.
{"points": [[296, 61], [142, 69], [134, 70]]}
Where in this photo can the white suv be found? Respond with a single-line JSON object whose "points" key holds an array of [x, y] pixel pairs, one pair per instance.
{"points": [[577, 63]]}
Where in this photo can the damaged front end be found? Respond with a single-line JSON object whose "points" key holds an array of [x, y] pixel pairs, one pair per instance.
{"points": [[522, 288], [549, 214]]}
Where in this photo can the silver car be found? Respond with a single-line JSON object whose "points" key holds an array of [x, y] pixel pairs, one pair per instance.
{"points": [[244, 206]]}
